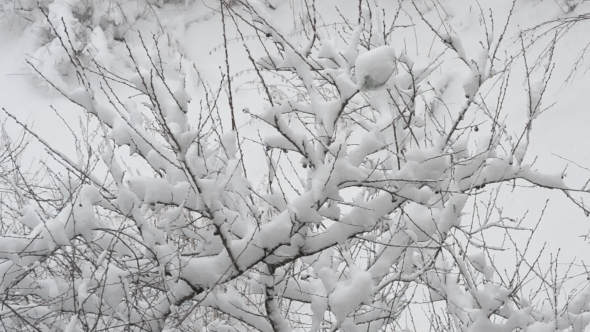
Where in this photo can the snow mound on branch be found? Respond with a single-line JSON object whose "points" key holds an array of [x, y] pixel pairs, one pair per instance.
{"points": [[374, 68], [348, 294]]}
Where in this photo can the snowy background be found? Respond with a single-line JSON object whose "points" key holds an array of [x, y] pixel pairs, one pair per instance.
{"points": [[194, 29], [560, 134]]}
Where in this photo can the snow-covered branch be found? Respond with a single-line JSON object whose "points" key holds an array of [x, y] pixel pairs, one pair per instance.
{"points": [[375, 157]]}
